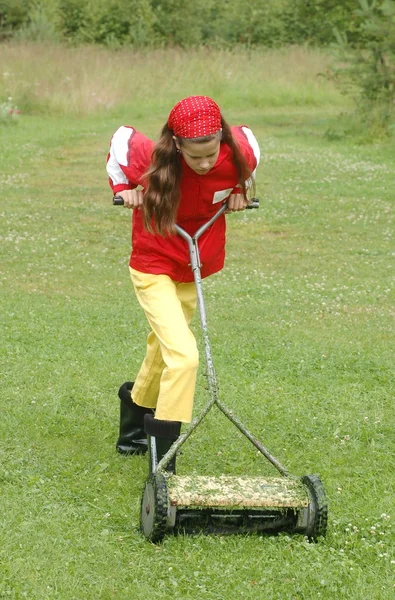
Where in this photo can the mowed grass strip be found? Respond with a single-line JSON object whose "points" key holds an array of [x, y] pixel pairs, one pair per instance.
{"points": [[301, 324]]}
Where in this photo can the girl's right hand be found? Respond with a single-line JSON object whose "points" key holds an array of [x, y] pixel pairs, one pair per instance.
{"points": [[132, 198]]}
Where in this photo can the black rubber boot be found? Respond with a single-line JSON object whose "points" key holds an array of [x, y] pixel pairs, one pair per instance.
{"points": [[161, 435], [132, 437]]}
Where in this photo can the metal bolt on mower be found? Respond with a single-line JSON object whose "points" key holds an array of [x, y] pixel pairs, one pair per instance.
{"points": [[227, 504]]}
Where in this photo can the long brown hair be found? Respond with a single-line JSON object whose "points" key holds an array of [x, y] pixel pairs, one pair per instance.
{"points": [[162, 191]]}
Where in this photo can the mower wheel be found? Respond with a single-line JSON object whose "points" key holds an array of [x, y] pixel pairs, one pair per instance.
{"points": [[154, 508], [318, 508]]}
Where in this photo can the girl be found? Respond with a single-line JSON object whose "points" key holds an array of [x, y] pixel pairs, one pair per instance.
{"points": [[198, 163]]}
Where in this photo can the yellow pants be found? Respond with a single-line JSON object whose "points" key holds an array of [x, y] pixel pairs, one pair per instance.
{"points": [[166, 380]]}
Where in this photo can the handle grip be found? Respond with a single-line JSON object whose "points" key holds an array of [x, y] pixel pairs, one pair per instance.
{"points": [[254, 203]]}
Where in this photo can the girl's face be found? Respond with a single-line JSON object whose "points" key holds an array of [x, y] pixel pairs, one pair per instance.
{"points": [[202, 156]]}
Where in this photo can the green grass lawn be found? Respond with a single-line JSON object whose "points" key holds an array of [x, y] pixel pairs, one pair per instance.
{"points": [[302, 327]]}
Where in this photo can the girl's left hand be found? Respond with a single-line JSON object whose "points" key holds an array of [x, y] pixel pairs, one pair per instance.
{"points": [[236, 202]]}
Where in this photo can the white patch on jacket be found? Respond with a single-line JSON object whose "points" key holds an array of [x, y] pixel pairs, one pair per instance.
{"points": [[221, 195]]}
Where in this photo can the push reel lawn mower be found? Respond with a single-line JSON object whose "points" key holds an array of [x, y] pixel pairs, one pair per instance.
{"points": [[227, 504]]}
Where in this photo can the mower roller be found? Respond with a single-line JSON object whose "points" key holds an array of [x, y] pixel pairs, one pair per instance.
{"points": [[227, 504]]}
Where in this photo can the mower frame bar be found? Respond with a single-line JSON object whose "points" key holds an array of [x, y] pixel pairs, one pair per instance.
{"points": [[195, 264]]}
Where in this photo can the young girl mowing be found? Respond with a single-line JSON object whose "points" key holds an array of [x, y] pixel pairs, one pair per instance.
{"points": [[198, 163]]}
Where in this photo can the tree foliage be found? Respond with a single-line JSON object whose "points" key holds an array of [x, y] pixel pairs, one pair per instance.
{"points": [[271, 23], [368, 64]]}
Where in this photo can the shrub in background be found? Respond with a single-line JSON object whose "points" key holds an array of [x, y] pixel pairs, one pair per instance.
{"points": [[181, 23], [270, 23], [107, 22], [315, 21], [13, 14], [111, 22], [367, 70], [40, 23], [258, 23]]}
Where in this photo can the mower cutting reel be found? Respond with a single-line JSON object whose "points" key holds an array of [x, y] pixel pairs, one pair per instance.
{"points": [[224, 505], [172, 503]]}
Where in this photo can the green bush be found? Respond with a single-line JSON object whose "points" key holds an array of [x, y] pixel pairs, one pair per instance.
{"points": [[315, 21], [13, 14], [122, 21], [270, 23], [41, 23], [114, 22], [251, 24], [367, 70], [72, 16]]}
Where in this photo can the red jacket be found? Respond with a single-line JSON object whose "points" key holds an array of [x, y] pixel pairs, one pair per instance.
{"points": [[201, 198]]}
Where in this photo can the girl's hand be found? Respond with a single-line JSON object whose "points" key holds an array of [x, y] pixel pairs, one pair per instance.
{"points": [[132, 198], [236, 202]]}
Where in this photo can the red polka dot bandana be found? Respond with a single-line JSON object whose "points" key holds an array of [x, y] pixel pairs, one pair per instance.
{"points": [[194, 117]]}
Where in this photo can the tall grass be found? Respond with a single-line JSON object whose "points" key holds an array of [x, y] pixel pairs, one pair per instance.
{"points": [[84, 80]]}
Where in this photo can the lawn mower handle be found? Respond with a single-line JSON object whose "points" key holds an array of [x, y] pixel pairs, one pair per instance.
{"points": [[254, 202]]}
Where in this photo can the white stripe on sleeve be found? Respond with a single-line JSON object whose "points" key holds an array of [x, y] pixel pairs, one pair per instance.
{"points": [[119, 155], [255, 148], [253, 143]]}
